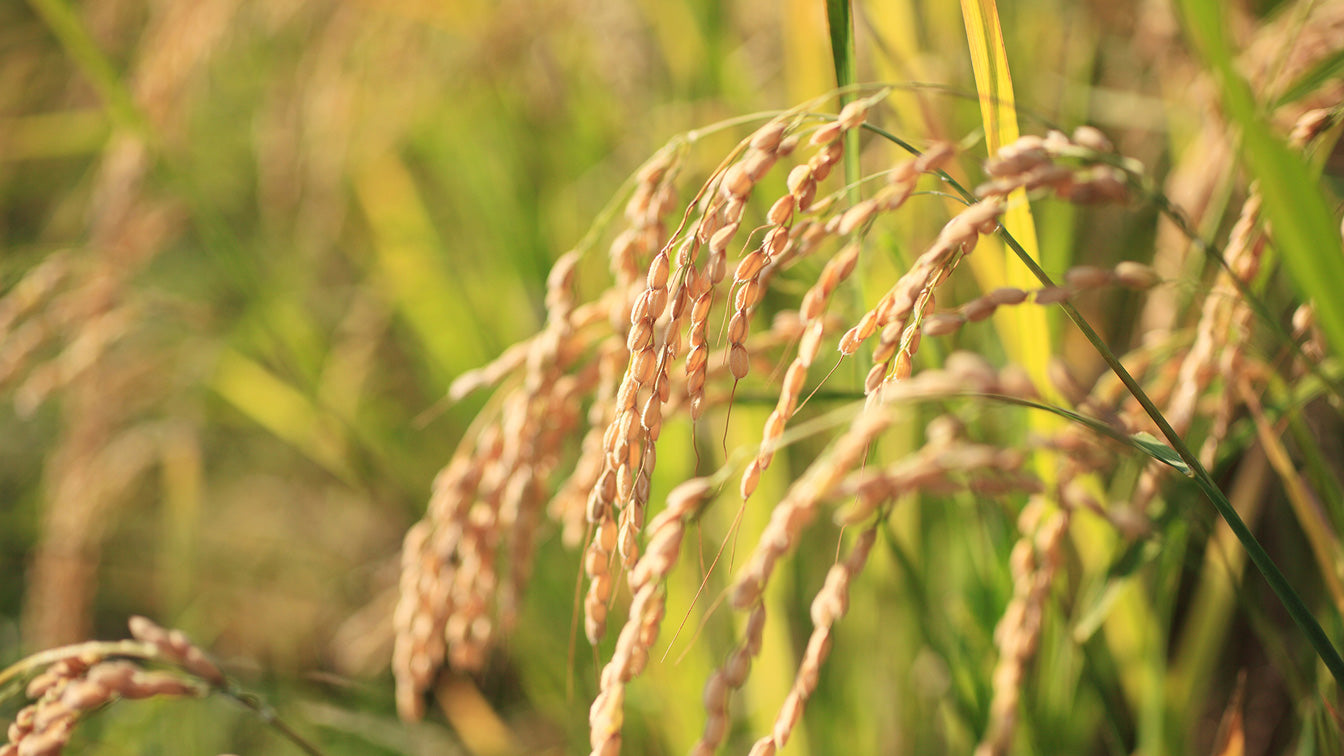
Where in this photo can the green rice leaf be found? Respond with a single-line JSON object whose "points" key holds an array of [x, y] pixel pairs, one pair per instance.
{"points": [[840, 21], [1329, 68]]}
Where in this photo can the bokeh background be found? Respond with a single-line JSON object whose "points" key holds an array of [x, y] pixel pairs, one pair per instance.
{"points": [[245, 246]]}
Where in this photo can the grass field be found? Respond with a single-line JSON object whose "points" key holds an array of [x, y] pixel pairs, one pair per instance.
{"points": [[561, 377]]}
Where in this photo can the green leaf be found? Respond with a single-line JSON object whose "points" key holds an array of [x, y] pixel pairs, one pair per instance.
{"points": [[840, 22], [841, 25], [1159, 451], [1025, 331], [1330, 67], [1095, 615]]}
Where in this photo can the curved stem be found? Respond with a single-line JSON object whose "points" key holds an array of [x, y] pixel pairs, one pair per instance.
{"points": [[267, 714]]}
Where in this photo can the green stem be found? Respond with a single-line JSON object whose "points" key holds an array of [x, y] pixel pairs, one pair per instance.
{"points": [[839, 18], [268, 715], [65, 25]]}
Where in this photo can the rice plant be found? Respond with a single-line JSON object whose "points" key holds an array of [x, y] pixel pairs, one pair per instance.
{"points": [[997, 415]]}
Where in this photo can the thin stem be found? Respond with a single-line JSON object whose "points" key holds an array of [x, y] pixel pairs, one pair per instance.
{"points": [[268, 715], [839, 18]]}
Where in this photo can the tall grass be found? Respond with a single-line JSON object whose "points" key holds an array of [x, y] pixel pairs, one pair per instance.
{"points": [[939, 412]]}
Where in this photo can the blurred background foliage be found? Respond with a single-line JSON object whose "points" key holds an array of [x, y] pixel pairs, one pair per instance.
{"points": [[246, 245]]}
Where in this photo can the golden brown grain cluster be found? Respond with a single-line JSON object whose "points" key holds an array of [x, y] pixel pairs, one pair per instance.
{"points": [[676, 335], [88, 677]]}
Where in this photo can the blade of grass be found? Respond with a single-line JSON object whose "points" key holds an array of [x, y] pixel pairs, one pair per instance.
{"points": [[1102, 673], [283, 410], [1124, 566], [840, 22], [1025, 331], [1329, 68], [1154, 725], [79, 45], [407, 266], [967, 703]]}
